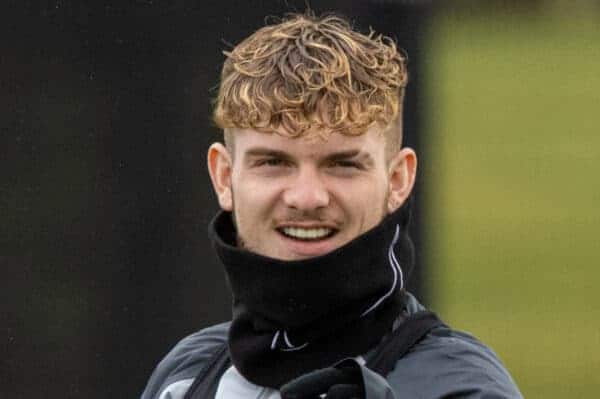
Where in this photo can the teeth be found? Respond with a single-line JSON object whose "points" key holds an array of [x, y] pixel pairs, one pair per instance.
{"points": [[307, 234]]}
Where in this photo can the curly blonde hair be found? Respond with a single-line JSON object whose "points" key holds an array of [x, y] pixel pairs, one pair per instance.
{"points": [[311, 75]]}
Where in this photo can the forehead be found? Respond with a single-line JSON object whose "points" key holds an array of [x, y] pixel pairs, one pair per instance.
{"points": [[313, 145]]}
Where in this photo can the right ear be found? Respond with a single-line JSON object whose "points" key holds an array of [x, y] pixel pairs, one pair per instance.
{"points": [[220, 167]]}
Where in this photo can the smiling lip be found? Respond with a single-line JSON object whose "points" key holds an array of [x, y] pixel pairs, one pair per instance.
{"points": [[308, 247], [307, 233]]}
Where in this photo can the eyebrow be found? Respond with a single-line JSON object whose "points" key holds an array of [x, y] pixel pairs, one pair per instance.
{"points": [[336, 156], [347, 155], [263, 151]]}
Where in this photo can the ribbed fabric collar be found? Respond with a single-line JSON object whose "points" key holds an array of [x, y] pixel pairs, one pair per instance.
{"points": [[290, 317]]}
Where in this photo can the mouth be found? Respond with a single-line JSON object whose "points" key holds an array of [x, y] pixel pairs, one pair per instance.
{"points": [[307, 233]]}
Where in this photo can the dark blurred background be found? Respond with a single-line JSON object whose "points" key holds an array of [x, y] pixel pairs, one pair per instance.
{"points": [[104, 196]]}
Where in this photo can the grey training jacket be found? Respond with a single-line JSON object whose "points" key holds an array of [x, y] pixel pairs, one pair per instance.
{"points": [[445, 364]]}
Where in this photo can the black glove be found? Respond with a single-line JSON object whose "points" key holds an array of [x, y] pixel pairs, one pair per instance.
{"points": [[343, 381]]}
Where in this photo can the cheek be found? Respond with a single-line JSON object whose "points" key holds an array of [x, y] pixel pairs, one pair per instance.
{"points": [[375, 207], [252, 200], [363, 200]]}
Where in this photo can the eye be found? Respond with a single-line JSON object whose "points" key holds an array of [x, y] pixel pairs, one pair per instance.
{"points": [[345, 164], [270, 162]]}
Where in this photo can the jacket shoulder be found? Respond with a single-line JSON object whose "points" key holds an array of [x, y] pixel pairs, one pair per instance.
{"points": [[450, 363], [180, 366]]}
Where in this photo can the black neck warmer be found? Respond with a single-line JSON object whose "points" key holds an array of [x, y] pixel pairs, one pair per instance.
{"points": [[291, 317]]}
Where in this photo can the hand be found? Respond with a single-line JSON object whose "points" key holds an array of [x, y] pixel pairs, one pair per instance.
{"points": [[341, 382]]}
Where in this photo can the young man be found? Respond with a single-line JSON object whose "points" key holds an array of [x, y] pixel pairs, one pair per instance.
{"points": [[314, 187]]}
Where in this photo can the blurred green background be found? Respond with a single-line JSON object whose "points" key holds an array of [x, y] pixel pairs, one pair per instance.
{"points": [[512, 185]]}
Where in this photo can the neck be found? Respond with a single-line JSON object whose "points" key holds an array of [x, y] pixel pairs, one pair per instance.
{"points": [[286, 311]]}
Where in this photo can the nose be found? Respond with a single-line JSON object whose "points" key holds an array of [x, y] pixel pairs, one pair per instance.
{"points": [[306, 192]]}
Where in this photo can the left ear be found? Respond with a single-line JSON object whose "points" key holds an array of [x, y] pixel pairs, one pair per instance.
{"points": [[402, 175]]}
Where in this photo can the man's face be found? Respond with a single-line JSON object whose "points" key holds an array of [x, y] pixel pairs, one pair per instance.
{"points": [[295, 198]]}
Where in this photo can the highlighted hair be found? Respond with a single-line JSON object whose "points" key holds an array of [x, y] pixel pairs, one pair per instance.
{"points": [[311, 74]]}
